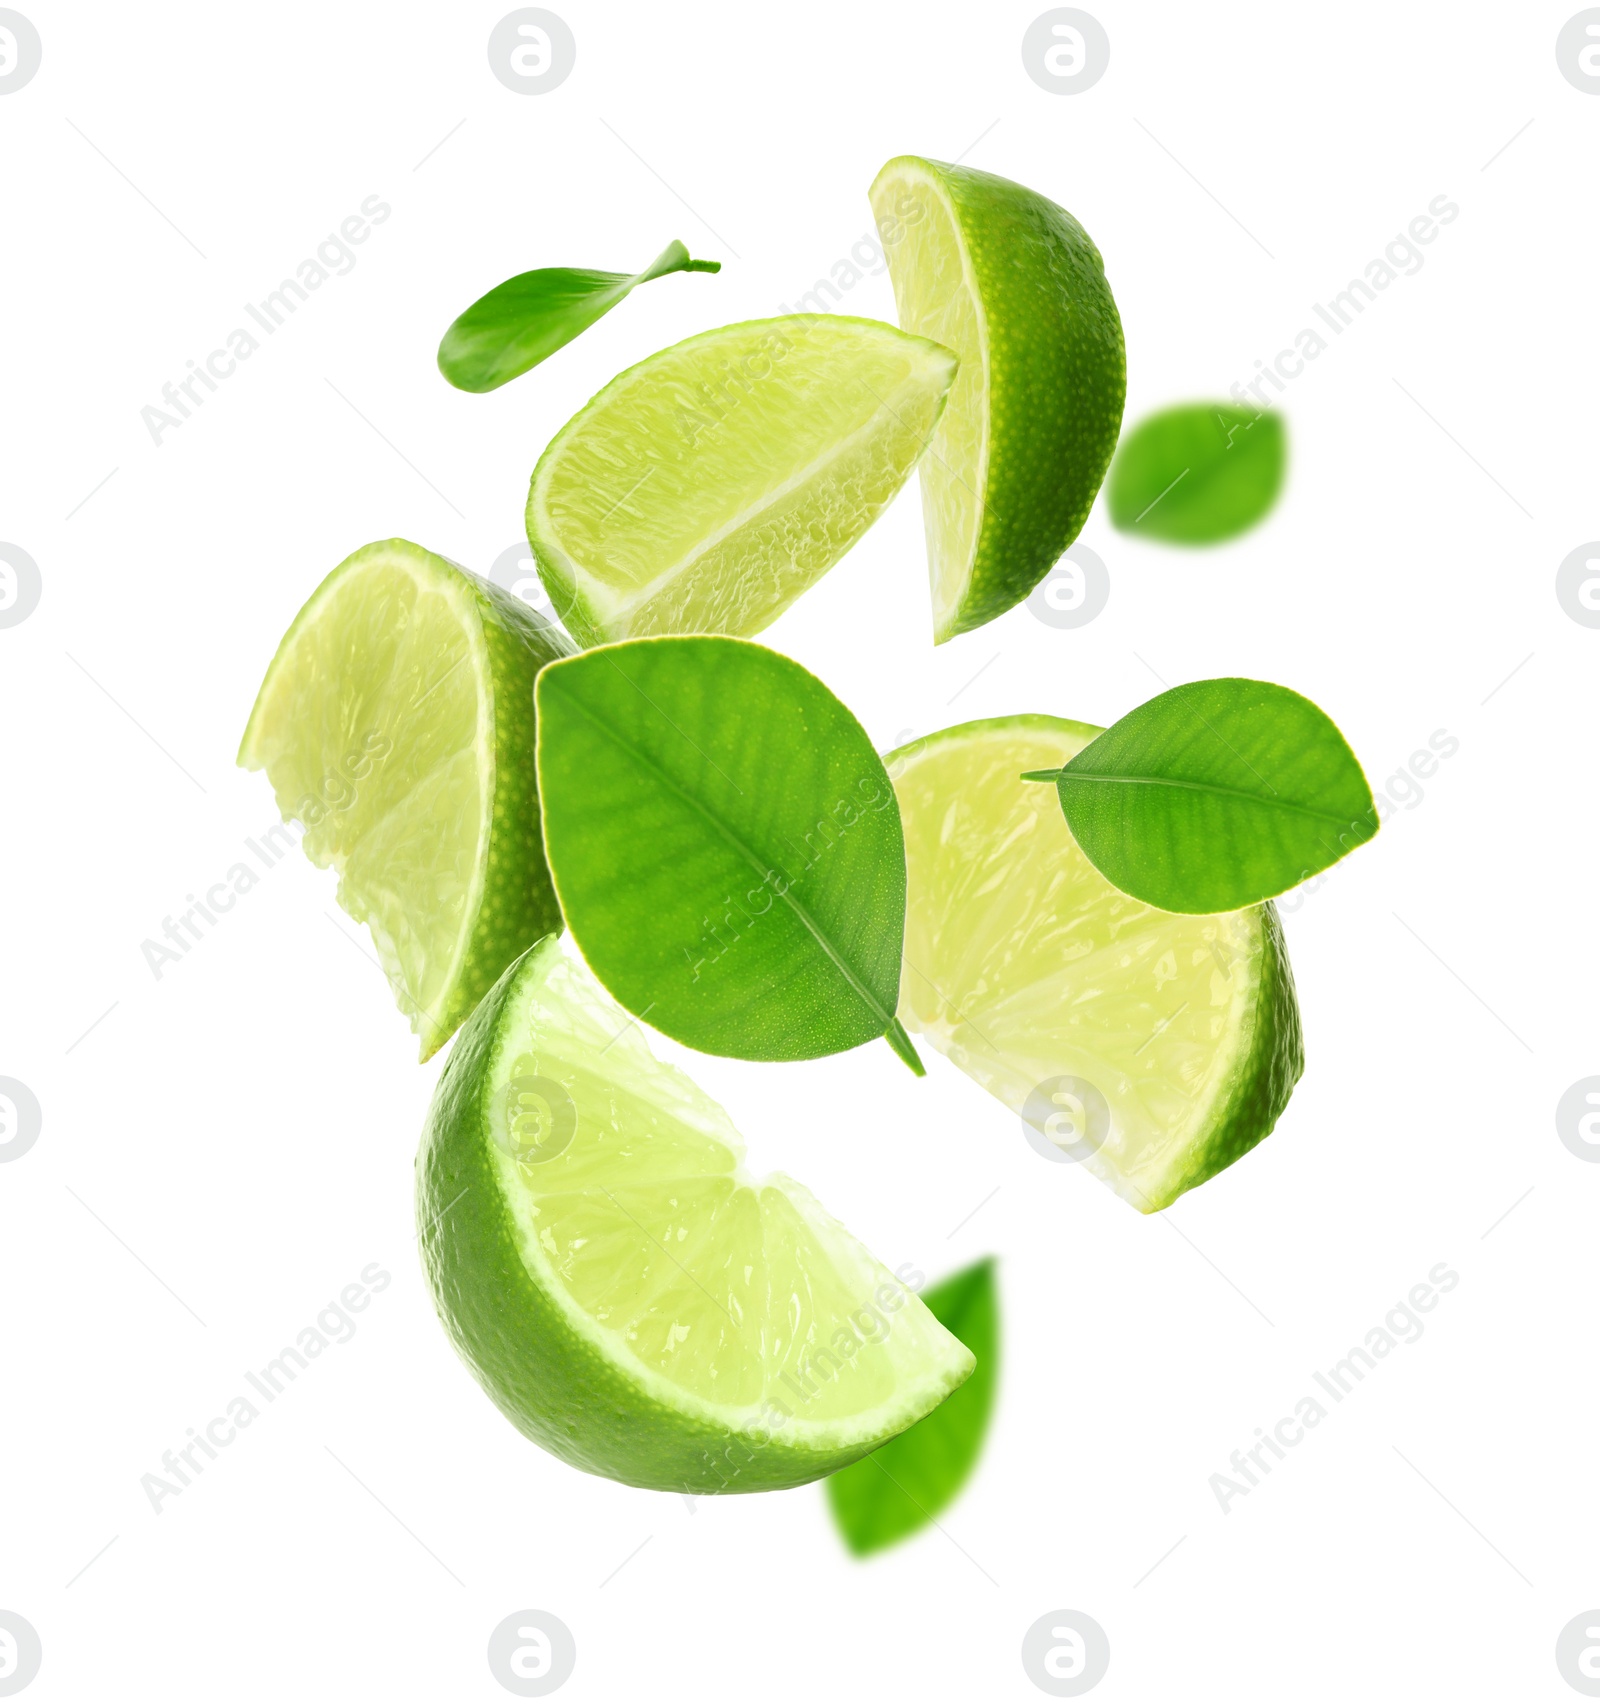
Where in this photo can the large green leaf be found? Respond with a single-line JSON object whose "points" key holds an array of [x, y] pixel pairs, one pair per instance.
{"points": [[518, 323], [1215, 796], [726, 846], [1198, 473], [905, 1483]]}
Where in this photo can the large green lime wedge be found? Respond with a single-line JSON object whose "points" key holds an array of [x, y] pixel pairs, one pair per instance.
{"points": [[396, 724], [705, 489], [1014, 286], [1155, 1047], [623, 1290]]}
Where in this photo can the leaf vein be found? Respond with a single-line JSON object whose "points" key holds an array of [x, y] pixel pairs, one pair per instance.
{"points": [[760, 866], [1276, 802]]}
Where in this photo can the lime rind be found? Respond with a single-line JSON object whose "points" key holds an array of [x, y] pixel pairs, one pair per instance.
{"points": [[1256, 1094], [1027, 457]]}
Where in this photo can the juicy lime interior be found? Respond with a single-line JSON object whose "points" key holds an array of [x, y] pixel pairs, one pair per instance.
{"points": [[626, 1185], [706, 488], [389, 645], [936, 298], [1022, 963]]}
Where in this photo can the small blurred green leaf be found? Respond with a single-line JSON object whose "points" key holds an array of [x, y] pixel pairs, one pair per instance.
{"points": [[1198, 473], [518, 323], [905, 1483]]}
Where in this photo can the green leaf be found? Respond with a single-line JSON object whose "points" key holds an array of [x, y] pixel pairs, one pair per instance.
{"points": [[532, 315], [905, 1483], [1198, 473], [1216, 795], [726, 846]]}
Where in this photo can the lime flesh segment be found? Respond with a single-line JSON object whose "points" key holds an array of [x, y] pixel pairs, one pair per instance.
{"points": [[623, 1290], [1013, 284], [396, 725], [1023, 965], [936, 294], [705, 489]]}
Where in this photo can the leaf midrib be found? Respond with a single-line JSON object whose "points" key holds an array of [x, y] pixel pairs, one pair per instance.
{"points": [[759, 866], [1275, 802]]}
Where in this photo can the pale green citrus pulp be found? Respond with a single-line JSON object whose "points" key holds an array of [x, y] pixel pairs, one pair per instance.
{"points": [[705, 489], [396, 725]]}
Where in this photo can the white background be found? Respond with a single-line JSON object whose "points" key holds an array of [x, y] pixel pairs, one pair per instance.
{"points": [[243, 1128]]}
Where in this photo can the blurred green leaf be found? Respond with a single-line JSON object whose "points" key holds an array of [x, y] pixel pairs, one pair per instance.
{"points": [[905, 1483], [518, 323], [1198, 473]]}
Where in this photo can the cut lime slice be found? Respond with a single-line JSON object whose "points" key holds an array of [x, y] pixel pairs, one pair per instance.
{"points": [[1155, 1047], [705, 489], [396, 724], [623, 1290], [1014, 286]]}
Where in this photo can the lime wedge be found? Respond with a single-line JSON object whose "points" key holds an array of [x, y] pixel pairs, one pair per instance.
{"points": [[1155, 1047], [705, 489], [1014, 286], [623, 1290], [396, 724]]}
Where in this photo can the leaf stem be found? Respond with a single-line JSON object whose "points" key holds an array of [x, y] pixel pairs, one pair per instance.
{"points": [[897, 1039], [673, 258], [1040, 775]]}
